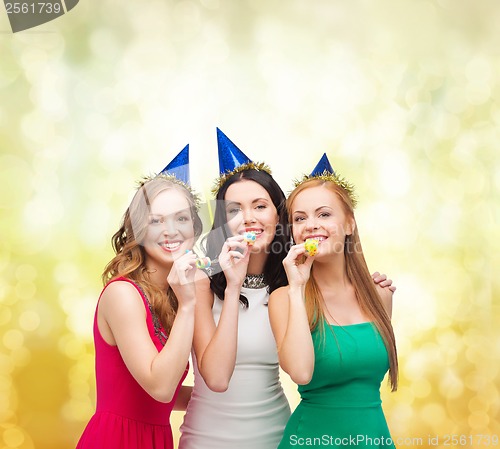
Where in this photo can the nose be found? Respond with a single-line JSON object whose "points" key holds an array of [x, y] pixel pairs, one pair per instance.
{"points": [[169, 228], [311, 224], [248, 216]]}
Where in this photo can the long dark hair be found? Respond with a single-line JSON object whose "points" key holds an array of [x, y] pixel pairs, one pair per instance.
{"points": [[274, 273]]}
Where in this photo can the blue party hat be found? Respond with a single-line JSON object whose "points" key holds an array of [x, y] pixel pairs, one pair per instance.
{"points": [[230, 156], [232, 160], [324, 172], [179, 166], [323, 166]]}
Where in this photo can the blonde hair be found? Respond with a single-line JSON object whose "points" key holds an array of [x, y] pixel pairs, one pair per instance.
{"points": [[130, 261], [357, 273]]}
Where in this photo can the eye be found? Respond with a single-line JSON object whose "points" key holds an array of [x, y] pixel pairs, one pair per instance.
{"points": [[154, 220], [325, 214], [297, 219], [261, 207], [183, 218], [234, 210]]}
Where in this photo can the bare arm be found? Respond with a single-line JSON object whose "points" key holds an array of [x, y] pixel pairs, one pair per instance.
{"points": [[290, 326], [121, 312], [215, 346], [289, 322], [122, 309], [183, 398]]}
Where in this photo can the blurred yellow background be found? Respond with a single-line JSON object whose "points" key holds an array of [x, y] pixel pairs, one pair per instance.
{"points": [[403, 96]]}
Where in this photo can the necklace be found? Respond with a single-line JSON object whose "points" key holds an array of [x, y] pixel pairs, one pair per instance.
{"points": [[254, 281]]}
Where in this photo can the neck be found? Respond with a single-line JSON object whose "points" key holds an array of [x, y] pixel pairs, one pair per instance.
{"points": [[158, 274], [331, 272], [257, 263]]}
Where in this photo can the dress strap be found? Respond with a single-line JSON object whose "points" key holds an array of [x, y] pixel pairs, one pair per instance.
{"points": [[158, 327]]}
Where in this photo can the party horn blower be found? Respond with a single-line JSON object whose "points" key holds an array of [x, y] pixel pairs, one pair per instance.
{"points": [[311, 247], [249, 237], [203, 262]]}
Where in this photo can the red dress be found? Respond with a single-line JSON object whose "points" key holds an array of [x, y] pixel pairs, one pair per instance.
{"points": [[126, 416]]}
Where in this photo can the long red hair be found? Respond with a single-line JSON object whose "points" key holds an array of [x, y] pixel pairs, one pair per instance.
{"points": [[357, 273]]}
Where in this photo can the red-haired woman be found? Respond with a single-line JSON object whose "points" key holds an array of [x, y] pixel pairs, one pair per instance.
{"points": [[332, 324]]}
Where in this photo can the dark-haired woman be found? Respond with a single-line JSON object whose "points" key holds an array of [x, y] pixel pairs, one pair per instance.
{"points": [[238, 401], [144, 321]]}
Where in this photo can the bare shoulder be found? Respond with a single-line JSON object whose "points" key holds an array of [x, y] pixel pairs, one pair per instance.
{"points": [[120, 296], [278, 300], [278, 295]]}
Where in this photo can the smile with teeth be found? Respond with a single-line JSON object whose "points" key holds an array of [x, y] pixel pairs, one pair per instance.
{"points": [[170, 246], [257, 232], [319, 238]]}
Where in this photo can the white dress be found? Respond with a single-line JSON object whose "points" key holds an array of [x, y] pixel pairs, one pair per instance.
{"points": [[253, 411]]}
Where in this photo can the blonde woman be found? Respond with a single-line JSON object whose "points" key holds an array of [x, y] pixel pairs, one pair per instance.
{"points": [[144, 320], [332, 324]]}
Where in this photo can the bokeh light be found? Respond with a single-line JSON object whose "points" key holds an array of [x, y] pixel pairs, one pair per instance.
{"points": [[403, 96]]}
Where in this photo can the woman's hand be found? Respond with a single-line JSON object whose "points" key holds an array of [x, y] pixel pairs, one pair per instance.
{"points": [[382, 281], [181, 278], [233, 260], [297, 272]]}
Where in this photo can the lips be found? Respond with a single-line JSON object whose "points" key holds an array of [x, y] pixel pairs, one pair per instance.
{"points": [[256, 231], [320, 238], [170, 246]]}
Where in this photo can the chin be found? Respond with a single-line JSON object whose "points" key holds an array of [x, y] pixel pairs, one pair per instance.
{"points": [[257, 248]]}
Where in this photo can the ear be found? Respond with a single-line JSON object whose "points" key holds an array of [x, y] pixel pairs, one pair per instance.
{"points": [[351, 226]]}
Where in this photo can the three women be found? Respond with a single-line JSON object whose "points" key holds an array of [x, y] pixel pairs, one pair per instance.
{"points": [[237, 399]]}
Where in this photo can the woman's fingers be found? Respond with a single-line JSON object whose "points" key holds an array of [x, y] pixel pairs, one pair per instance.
{"points": [[295, 252], [236, 254], [233, 245]]}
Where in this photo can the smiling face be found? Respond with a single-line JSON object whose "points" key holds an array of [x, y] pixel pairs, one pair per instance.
{"points": [[317, 212], [170, 230], [250, 208]]}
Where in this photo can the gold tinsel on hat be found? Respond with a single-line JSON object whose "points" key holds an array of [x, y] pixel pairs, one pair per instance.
{"points": [[172, 178], [220, 181], [336, 179]]}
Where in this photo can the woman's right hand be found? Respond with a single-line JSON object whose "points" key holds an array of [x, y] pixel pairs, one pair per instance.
{"points": [[297, 272], [181, 278], [233, 260]]}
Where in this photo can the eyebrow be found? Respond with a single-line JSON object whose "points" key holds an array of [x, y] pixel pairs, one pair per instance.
{"points": [[180, 211], [256, 200], [316, 210]]}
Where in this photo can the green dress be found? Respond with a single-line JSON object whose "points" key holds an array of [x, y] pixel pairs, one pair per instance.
{"points": [[341, 406]]}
